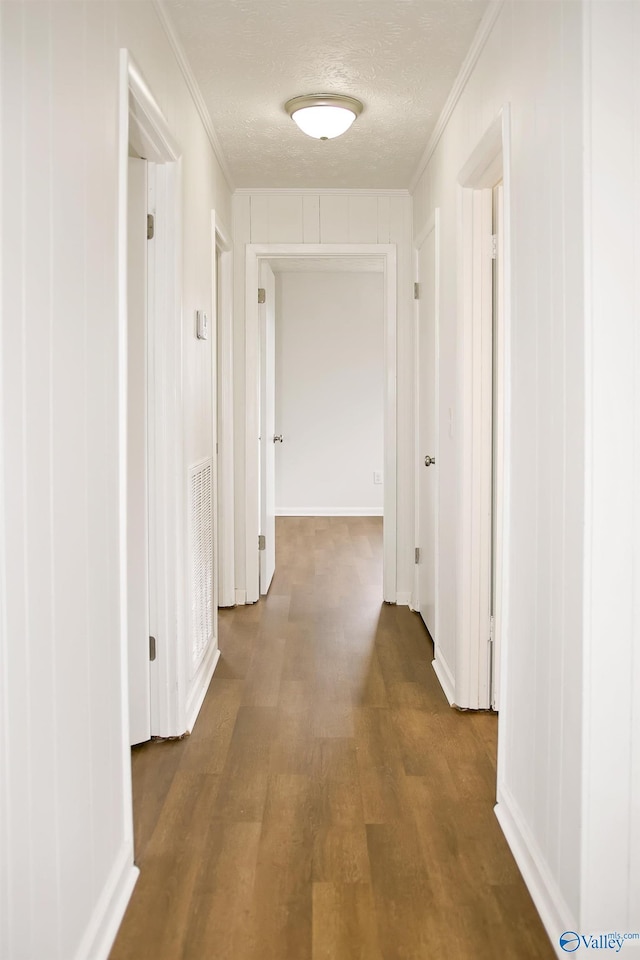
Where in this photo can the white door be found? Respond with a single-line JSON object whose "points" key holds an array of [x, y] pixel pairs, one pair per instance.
{"points": [[426, 430], [268, 440], [137, 483]]}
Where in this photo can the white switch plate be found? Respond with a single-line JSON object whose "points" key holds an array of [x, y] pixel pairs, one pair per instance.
{"points": [[377, 476]]}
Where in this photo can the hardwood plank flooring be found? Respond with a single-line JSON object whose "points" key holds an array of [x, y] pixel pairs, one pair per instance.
{"points": [[329, 805]]}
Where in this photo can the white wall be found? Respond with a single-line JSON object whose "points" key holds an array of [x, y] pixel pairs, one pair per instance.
{"points": [[329, 393], [568, 678], [66, 867], [298, 216], [611, 706]]}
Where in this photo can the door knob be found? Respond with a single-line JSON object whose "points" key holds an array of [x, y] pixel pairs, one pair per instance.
{"points": [[429, 460], [277, 438]]}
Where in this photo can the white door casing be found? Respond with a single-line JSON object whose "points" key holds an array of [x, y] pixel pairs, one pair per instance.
{"points": [[222, 283], [137, 483], [427, 447], [497, 537], [254, 254], [486, 166], [268, 444], [142, 124]]}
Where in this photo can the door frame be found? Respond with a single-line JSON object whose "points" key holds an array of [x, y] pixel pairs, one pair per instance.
{"points": [[488, 163], [254, 253], [222, 302], [266, 458], [141, 122], [432, 225]]}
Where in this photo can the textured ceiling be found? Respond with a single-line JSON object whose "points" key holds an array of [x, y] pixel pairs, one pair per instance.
{"points": [[400, 57]]}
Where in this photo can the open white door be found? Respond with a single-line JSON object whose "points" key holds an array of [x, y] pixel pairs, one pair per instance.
{"points": [[268, 439], [427, 399], [137, 483]]}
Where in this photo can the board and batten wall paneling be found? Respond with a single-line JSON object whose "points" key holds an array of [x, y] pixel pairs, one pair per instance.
{"points": [[66, 869], [571, 681], [329, 393], [532, 60], [358, 216], [611, 718]]}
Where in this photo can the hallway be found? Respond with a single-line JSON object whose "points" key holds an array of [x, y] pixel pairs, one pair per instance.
{"points": [[329, 803]]}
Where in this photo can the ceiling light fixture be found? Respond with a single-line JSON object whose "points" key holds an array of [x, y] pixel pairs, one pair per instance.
{"points": [[323, 115]]}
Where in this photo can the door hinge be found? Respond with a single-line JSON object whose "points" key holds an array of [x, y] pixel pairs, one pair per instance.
{"points": [[151, 226], [262, 295], [417, 555], [491, 630], [152, 648], [262, 542], [494, 246], [416, 291]]}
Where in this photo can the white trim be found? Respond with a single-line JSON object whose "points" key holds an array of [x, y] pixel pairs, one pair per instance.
{"points": [[123, 240], [467, 68], [444, 675], [254, 253], [194, 89], [223, 370], [329, 512], [200, 684], [487, 164], [403, 598], [315, 191], [109, 910], [545, 892], [141, 115]]}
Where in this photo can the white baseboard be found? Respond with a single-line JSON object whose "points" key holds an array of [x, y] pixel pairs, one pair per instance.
{"points": [[445, 677], [200, 685], [403, 598], [545, 893], [329, 512], [241, 598], [109, 910]]}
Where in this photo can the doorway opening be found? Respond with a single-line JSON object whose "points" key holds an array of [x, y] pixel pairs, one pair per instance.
{"points": [[262, 435], [483, 335], [168, 656]]}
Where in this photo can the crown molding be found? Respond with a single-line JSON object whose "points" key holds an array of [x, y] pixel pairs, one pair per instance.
{"points": [[314, 191], [476, 48], [194, 89]]}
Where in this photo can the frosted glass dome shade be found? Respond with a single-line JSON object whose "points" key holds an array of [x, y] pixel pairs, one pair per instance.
{"points": [[323, 117]]}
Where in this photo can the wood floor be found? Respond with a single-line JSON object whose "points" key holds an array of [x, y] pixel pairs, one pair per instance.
{"points": [[329, 804]]}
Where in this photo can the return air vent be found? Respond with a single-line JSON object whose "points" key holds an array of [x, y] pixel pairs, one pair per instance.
{"points": [[201, 554]]}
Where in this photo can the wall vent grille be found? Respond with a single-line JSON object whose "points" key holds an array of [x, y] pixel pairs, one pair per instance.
{"points": [[201, 554]]}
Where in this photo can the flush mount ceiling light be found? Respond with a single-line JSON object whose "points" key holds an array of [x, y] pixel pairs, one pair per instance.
{"points": [[323, 115]]}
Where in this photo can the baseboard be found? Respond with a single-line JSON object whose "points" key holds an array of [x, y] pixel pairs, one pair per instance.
{"points": [[445, 677], [403, 598], [545, 893], [109, 910], [200, 685], [241, 598], [329, 512]]}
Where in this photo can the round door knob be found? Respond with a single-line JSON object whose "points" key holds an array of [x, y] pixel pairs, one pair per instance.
{"points": [[277, 438], [429, 460]]}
